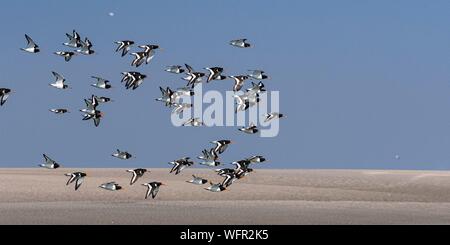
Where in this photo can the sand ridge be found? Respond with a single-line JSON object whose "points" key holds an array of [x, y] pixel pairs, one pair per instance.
{"points": [[40, 196]]}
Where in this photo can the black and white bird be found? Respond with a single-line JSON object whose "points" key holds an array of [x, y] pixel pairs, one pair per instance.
{"points": [[96, 116], [59, 82], [229, 179], [224, 171], [241, 164], [193, 77], [152, 189], [216, 187], [209, 155], [177, 69], [102, 99], [256, 88], [101, 83], [91, 105], [49, 163], [137, 173], [139, 58], [238, 82], [167, 96], [272, 116], [86, 47], [256, 159], [180, 164], [221, 145], [59, 111], [149, 51], [32, 47], [240, 43], [210, 158], [91, 111], [4, 94], [124, 155], [258, 75], [132, 79], [197, 180], [215, 73], [74, 40], [111, 186], [252, 129], [195, 122], [77, 177], [124, 46], [246, 101], [66, 54]]}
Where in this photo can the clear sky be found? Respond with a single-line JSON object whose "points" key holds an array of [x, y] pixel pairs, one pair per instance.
{"points": [[360, 81]]}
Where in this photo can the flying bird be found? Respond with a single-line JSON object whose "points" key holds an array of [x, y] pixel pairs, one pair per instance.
{"points": [[193, 77], [215, 73], [252, 129], [66, 54], [209, 158], [74, 40], [272, 116], [32, 47], [221, 145], [96, 116], [256, 159], [132, 79], [78, 177], [139, 58], [180, 164], [59, 111], [177, 69], [149, 51], [216, 187], [238, 82], [196, 122], [152, 189], [59, 82], [111, 186], [49, 163], [197, 180], [257, 75], [102, 99], [240, 43], [122, 155], [4, 94], [101, 83], [86, 47], [137, 173], [256, 88], [124, 46]]}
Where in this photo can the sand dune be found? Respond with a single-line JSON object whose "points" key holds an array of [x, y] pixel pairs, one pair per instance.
{"points": [[40, 196]]}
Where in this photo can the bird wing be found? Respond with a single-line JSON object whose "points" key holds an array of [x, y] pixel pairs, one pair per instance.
{"points": [[58, 77], [70, 180], [149, 190], [30, 42], [154, 191], [96, 121], [189, 68], [79, 182], [133, 178], [3, 99]]}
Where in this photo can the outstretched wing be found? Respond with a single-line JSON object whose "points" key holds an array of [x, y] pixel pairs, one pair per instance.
{"points": [[79, 182]]}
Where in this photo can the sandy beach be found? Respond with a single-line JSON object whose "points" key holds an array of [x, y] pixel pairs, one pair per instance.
{"points": [[40, 196]]}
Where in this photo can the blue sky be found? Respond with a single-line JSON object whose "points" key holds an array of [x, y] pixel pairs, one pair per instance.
{"points": [[360, 81]]}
